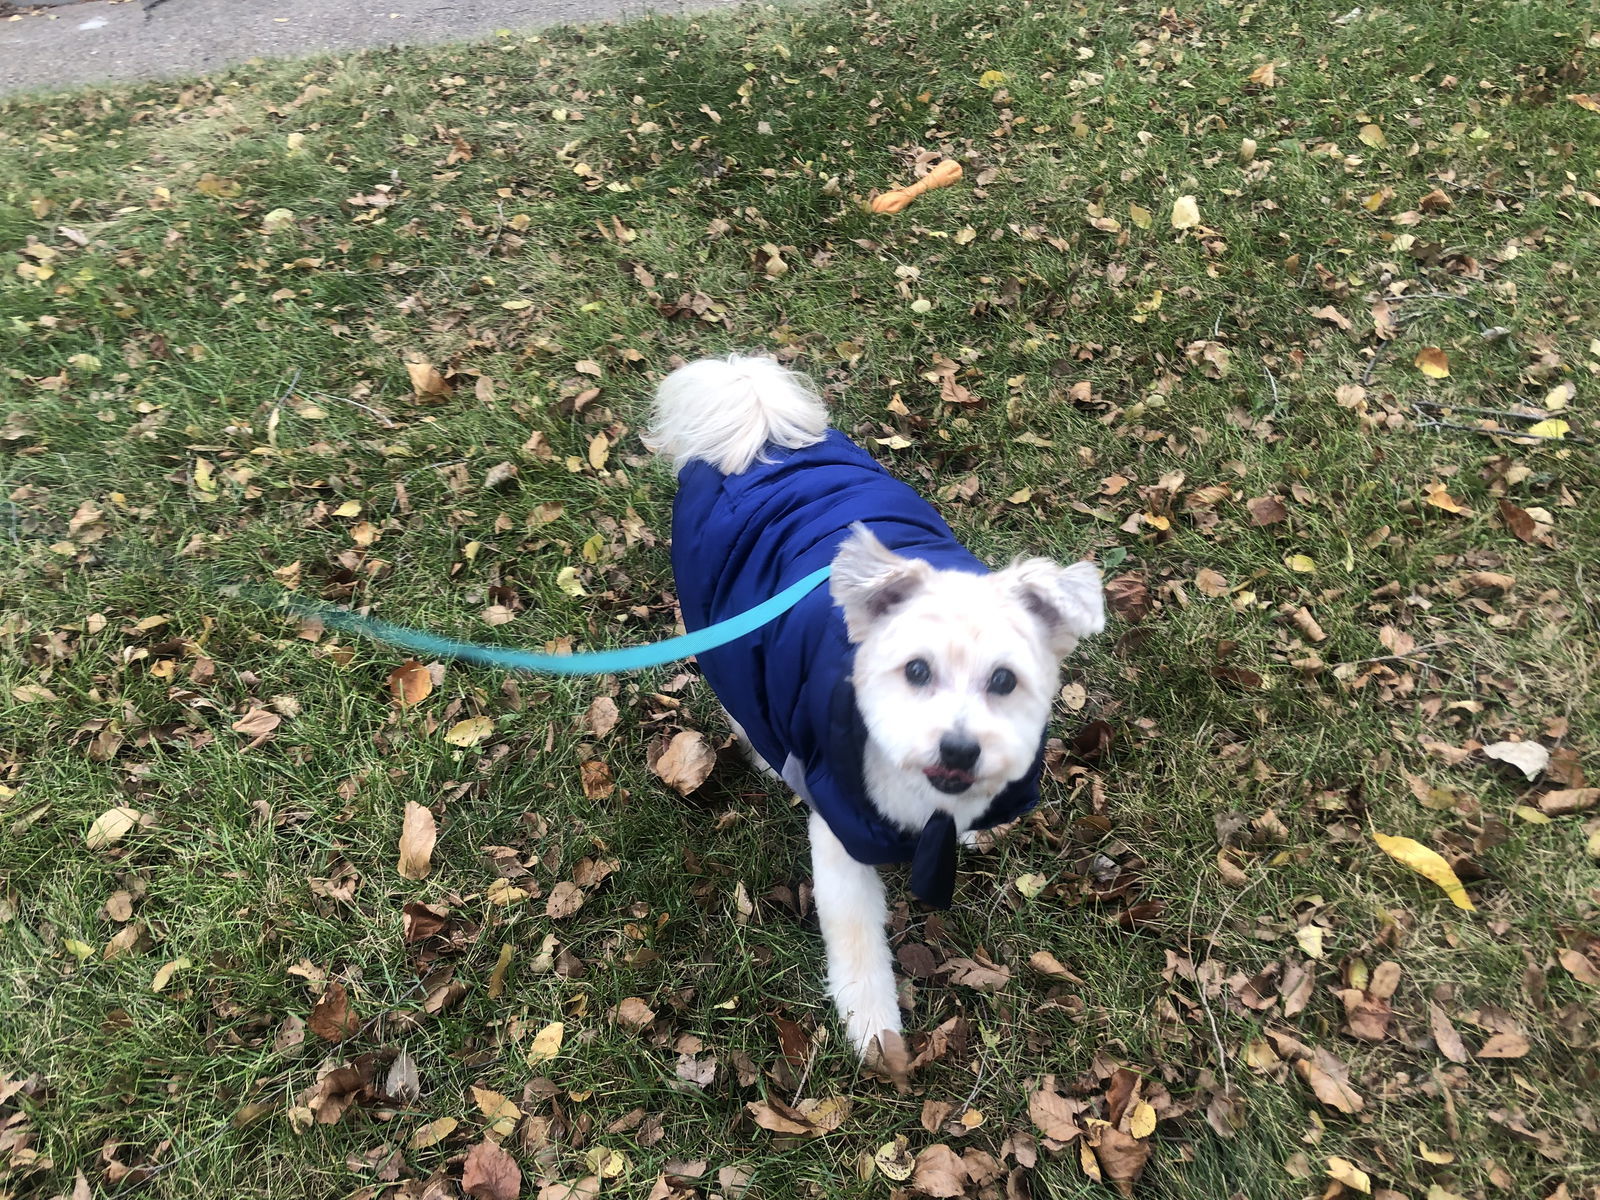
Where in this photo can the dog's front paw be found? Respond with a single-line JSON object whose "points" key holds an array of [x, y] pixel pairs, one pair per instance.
{"points": [[869, 1023]]}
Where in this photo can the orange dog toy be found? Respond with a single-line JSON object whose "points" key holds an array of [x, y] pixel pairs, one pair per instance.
{"points": [[942, 176]]}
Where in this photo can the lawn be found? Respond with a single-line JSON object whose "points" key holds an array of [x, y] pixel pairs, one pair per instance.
{"points": [[1285, 316]]}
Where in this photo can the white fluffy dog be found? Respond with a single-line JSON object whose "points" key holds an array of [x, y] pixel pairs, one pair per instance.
{"points": [[906, 703]]}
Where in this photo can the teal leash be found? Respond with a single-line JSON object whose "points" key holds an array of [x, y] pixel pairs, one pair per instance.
{"points": [[598, 662]]}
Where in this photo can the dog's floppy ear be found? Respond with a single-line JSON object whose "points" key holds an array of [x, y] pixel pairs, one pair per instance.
{"points": [[869, 580], [1068, 601]]}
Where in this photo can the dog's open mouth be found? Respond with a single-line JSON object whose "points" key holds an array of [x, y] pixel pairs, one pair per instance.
{"points": [[949, 780]]}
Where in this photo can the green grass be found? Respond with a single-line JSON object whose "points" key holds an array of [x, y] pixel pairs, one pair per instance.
{"points": [[172, 330]]}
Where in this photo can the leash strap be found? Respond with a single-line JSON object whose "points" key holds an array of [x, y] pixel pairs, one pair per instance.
{"points": [[599, 662]]}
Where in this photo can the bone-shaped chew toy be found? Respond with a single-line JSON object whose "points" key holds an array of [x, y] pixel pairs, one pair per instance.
{"points": [[946, 173]]}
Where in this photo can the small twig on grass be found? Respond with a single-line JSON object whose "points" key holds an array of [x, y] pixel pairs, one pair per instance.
{"points": [[384, 420], [1426, 420], [1441, 406], [1267, 371]]}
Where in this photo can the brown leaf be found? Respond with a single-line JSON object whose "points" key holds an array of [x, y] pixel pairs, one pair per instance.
{"points": [[491, 1173], [1210, 583], [1435, 201], [1505, 1045], [1570, 800], [685, 762], [633, 1013], [333, 1018], [1128, 597], [596, 779], [426, 380], [1330, 313], [939, 1172], [778, 1117], [1580, 968], [410, 682], [1522, 526], [1445, 1036], [601, 718], [1266, 510], [257, 722], [1053, 1114], [1329, 1079], [417, 838], [1050, 966], [565, 899], [1122, 1157]]}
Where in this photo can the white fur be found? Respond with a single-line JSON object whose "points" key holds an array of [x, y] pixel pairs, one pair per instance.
{"points": [[726, 411], [1026, 618]]}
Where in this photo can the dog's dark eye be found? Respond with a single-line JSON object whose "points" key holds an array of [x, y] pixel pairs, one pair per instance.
{"points": [[1003, 682], [918, 671]]}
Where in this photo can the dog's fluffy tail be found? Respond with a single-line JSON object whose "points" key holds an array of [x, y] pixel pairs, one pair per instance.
{"points": [[726, 411]]}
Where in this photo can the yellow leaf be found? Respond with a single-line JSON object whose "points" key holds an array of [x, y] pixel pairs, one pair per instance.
{"points": [[606, 1162], [503, 1115], [991, 79], [1427, 863], [111, 827], [1030, 885], [1185, 213], [1432, 362], [1142, 1121], [1309, 938], [165, 974], [1266, 75], [277, 220], [567, 581], [350, 508], [1304, 564], [469, 732], [497, 978], [599, 451], [1429, 1154], [1553, 428], [546, 1043], [433, 1133], [78, 950], [1142, 217], [1372, 136], [1347, 1173], [1438, 495]]}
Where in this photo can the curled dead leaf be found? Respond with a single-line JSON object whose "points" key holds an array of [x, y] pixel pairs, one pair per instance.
{"points": [[417, 837]]}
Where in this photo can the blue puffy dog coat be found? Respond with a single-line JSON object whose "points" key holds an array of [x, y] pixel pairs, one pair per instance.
{"points": [[739, 539]]}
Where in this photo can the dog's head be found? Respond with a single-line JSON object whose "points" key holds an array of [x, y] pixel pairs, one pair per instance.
{"points": [[955, 672]]}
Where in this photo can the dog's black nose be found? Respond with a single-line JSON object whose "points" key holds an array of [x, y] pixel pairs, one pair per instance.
{"points": [[958, 753]]}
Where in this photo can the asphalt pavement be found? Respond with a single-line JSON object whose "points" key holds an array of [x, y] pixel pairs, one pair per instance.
{"points": [[112, 41]]}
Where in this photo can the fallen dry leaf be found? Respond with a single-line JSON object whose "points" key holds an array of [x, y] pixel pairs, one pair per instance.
{"points": [[258, 722], [939, 1172], [333, 1018], [1580, 968], [546, 1043], [1568, 801], [111, 826], [1185, 213], [1505, 1045], [1438, 495], [1329, 1079], [469, 732], [1445, 1035], [601, 718], [1266, 510], [1122, 1157], [417, 837], [410, 682], [565, 899], [490, 1173], [1347, 1173], [426, 380], [1054, 1114], [1531, 758], [1432, 362], [685, 762], [1427, 863], [633, 1013]]}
